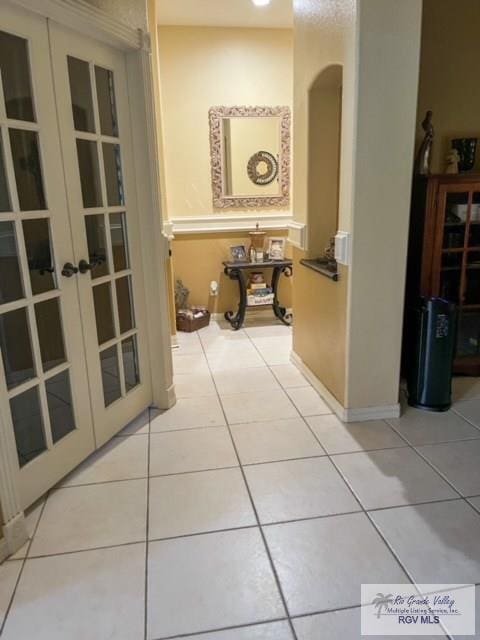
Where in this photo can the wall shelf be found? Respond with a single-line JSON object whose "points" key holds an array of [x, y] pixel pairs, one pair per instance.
{"points": [[319, 268]]}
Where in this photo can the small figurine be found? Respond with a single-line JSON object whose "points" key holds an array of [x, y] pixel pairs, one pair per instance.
{"points": [[422, 162], [453, 158]]}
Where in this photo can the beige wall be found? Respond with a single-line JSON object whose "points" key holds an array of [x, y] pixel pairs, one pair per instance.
{"points": [[153, 31], [388, 62], [205, 67], [354, 326], [325, 100], [324, 35], [198, 260], [448, 74]]}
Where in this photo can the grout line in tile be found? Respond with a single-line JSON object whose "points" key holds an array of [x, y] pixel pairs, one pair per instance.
{"points": [[90, 484], [254, 508], [220, 629], [256, 464], [349, 453], [23, 561], [203, 533], [472, 424], [431, 444], [124, 435], [186, 473], [414, 504], [208, 426], [437, 471], [100, 548]]}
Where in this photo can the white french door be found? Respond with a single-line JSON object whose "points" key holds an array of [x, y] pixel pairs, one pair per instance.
{"points": [[74, 364], [93, 111]]}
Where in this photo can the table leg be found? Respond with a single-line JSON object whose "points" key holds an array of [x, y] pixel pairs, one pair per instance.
{"points": [[279, 311], [236, 319]]}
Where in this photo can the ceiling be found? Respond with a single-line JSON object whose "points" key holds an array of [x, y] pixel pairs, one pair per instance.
{"points": [[225, 13]]}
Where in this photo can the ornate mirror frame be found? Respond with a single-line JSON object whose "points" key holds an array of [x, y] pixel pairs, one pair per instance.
{"points": [[221, 200]]}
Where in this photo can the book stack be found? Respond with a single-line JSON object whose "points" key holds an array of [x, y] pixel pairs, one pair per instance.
{"points": [[258, 291]]}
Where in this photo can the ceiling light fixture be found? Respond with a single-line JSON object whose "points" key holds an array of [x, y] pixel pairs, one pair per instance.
{"points": [[261, 3]]}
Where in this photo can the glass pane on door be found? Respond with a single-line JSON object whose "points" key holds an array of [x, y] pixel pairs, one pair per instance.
{"points": [[50, 333], [28, 171], [110, 375], [87, 153], [97, 245], [113, 174], [102, 298], [15, 74], [106, 102], [11, 286], [36, 233], [4, 191], [125, 306], [16, 347], [28, 425], [130, 362], [60, 406], [82, 103], [118, 231]]}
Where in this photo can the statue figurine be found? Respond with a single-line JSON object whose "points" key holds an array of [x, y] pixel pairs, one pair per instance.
{"points": [[453, 158], [181, 295], [422, 163]]}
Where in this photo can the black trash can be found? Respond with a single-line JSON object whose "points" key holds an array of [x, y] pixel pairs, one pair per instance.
{"points": [[429, 379]]}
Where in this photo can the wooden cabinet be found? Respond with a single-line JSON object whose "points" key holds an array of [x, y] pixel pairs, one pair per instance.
{"points": [[444, 254]]}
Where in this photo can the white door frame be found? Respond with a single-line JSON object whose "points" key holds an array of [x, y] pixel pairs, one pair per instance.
{"points": [[135, 43]]}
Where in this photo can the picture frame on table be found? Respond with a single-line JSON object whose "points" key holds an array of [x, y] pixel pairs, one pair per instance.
{"points": [[238, 253], [276, 248]]}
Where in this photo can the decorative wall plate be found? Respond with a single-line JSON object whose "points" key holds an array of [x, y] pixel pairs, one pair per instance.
{"points": [[262, 168]]}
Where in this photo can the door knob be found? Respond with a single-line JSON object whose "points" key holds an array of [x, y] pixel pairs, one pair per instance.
{"points": [[69, 270], [84, 266]]}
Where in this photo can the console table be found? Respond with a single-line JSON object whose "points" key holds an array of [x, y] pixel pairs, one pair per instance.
{"points": [[238, 270]]}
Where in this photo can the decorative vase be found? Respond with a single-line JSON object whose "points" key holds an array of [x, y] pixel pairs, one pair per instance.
{"points": [[466, 148]]}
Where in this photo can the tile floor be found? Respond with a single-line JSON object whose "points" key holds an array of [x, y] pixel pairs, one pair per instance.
{"points": [[248, 511]]}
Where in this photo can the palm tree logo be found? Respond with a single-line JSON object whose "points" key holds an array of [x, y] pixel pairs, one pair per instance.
{"points": [[381, 602]]}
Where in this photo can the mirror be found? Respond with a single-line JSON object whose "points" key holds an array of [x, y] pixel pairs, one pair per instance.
{"points": [[250, 153]]}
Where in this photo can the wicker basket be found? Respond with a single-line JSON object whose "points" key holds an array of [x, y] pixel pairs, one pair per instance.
{"points": [[192, 324]]}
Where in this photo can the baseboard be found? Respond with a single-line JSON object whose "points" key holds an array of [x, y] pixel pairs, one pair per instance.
{"points": [[361, 414], [3, 550], [329, 398], [381, 412], [15, 534]]}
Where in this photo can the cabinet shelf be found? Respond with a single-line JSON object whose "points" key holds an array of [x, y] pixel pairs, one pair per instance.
{"points": [[460, 224], [459, 249]]}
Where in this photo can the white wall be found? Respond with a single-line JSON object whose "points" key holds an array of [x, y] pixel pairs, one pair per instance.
{"points": [[388, 45]]}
